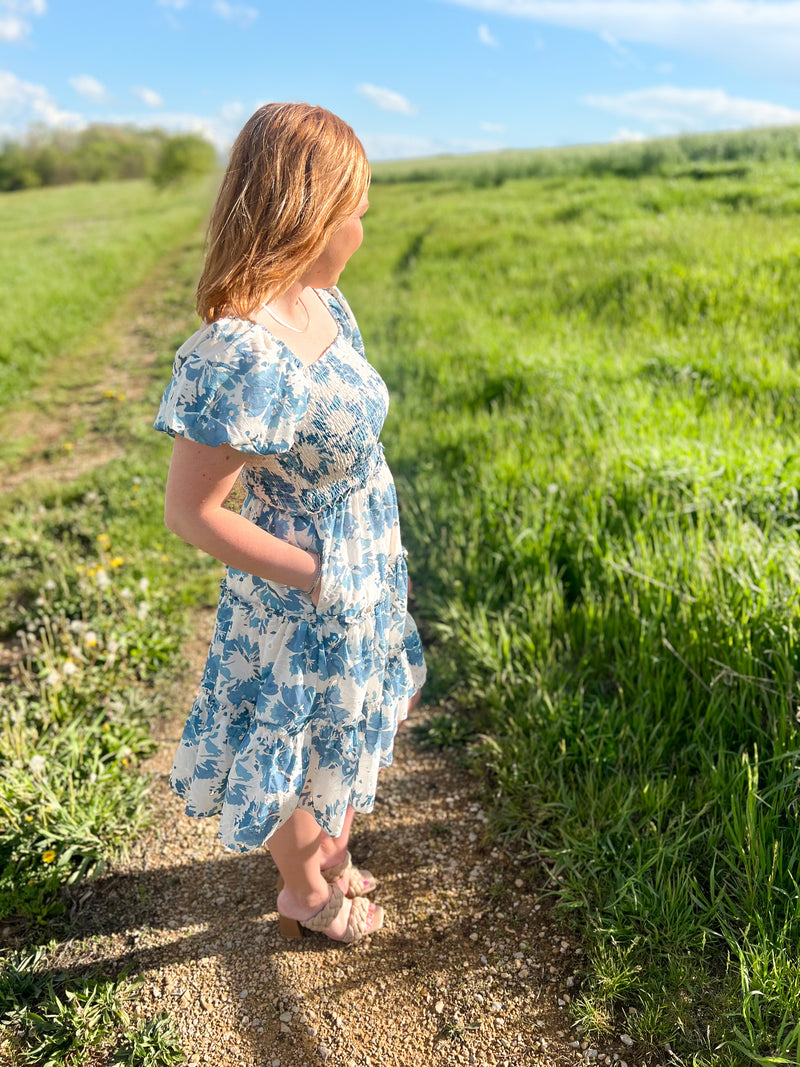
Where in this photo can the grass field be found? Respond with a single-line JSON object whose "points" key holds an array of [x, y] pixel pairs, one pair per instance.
{"points": [[594, 385], [595, 401]]}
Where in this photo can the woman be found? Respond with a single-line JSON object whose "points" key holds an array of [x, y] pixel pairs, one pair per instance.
{"points": [[314, 659]]}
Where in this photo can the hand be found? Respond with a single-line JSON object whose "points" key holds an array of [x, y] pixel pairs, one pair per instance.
{"points": [[318, 584]]}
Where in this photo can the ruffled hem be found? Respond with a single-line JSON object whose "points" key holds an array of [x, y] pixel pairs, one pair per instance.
{"points": [[295, 713]]}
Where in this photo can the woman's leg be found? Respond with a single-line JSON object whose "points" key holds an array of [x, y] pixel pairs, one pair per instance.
{"points": [[295, 847], [334, 849]]}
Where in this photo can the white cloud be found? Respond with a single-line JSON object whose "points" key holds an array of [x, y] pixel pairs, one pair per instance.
{"points": [[388, 146], [757, 33], [670, 109], [23, 103], [175, 5], [492, 127], [238, 13], [387, 99], [15, 17], [91, 88], [624, 136], [232, 111], [148, 96], [485, 36]]}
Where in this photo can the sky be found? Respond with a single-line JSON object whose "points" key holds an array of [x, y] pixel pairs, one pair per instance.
{"points": [[414, 78]]}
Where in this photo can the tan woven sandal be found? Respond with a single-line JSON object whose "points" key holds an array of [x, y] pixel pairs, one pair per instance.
{"points": [[364, 918], [361, 881]]}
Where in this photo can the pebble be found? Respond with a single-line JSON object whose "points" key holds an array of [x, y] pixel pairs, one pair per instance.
{"points": [[626, 1040], [286, 1016], [323, 1052]]}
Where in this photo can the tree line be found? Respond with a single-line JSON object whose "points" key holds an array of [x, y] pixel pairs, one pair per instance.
{"points": [[102, 153]]}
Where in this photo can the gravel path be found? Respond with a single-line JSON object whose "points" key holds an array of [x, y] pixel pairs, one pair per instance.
{"points": [[467, 970]]}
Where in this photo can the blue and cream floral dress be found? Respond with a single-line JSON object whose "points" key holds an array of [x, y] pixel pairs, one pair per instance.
{"points": [[298, 705]]}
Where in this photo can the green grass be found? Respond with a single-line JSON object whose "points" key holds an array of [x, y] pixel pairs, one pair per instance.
{"points": [[595, 399], [68, 255], [94, 595]]}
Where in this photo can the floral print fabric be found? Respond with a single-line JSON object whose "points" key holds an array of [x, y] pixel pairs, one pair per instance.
{"points": [[298, 705]]}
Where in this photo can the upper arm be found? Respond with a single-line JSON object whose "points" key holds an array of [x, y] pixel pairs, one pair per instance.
{"points": [[200, 479]]}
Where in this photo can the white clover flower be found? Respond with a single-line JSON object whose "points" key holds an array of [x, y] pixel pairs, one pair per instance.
{"points": [[126, 593], [53, 678], [69, 667], [78, 626], [144, 585], [112, 646], [102, 579], [49, 585], [142, 610], [39, 602], [37, 764]]}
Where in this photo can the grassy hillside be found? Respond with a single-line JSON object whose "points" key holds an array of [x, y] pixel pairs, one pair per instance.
{"points": [[68, 255], [595, 401]]}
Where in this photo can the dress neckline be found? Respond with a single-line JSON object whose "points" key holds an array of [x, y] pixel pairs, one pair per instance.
{"points": [[283, 344]]}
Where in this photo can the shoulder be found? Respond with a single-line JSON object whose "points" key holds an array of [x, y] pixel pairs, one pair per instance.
{"points": [[229, 340]]}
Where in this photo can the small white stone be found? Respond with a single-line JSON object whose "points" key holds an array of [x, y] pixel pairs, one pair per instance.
{"points": [[626, 1040], [243, 995], [439, 1007], [285, 1017], [496, 1005]]}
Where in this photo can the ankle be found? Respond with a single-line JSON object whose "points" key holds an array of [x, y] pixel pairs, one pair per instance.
{"points": [[331, 855], [302, 905]]}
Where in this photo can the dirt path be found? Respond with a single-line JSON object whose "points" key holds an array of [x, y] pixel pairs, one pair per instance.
{"points": [[467, 970]]}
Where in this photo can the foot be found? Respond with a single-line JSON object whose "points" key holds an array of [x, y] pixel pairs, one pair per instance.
{"points": [[337, 918], [353, 881]]}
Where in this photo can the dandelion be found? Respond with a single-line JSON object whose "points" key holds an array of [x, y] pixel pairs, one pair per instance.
{"points": [[37, 764], [68, 446], [117, 561], [90, 638], [103, 538], [69, 667], [102, 579], [48, 856]]}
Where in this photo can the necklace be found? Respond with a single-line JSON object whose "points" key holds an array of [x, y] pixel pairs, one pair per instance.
{"points": [[288, 325]]}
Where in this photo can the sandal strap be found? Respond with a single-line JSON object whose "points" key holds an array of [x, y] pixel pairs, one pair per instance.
{"points": [[333, 874], [358, 920], [327, 913]]}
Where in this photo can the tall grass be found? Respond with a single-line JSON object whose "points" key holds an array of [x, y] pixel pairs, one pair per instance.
{"points": [[595, 401], [699, 156]]}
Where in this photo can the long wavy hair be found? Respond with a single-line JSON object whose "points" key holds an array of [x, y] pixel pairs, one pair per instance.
{"points": [[295, 174]]}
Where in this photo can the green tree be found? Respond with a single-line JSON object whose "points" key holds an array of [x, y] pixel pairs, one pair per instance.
{"points": [[184, 157]]}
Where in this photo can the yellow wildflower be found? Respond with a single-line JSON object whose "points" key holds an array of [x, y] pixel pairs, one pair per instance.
{"points": [[117, 561], [49, 856], [103, 538]]}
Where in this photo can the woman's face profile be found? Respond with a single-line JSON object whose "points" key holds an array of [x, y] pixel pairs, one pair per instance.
{"points": [[325, 270]]}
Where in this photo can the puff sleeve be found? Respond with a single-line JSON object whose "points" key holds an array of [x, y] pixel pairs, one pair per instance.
{"points": [[234, 384]]}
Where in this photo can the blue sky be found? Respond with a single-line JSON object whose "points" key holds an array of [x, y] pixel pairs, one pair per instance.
{"points": [[414, 78]]}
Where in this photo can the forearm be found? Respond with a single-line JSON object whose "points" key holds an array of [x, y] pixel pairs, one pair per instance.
{"points": [[239, 543]]}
